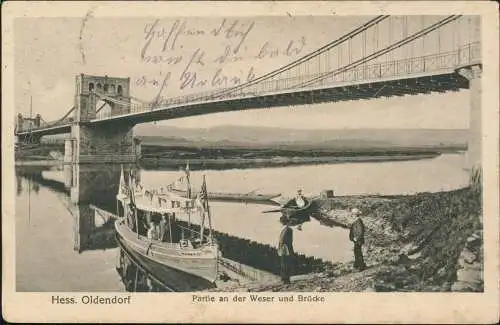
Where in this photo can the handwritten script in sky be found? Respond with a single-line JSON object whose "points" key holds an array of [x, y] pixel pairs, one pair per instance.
{"points": [[223, 55]]}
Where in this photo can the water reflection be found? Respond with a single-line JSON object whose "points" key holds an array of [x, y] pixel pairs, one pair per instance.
{"points": [[93, 229], [135, 277]]}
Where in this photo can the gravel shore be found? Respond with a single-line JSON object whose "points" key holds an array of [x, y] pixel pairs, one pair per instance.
{"points": [[422, 242]]}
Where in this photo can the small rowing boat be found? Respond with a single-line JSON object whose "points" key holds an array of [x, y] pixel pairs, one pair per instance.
{"points": [[296, 214]]}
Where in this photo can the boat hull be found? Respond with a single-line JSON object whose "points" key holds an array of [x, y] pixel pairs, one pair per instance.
{"points": [[173, 279], [200, 262]]}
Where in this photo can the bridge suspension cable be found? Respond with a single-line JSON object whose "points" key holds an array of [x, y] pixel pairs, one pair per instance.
{"points": [[58, 121], [100, 108], [113, 100], [307, 57], [67, 114], [379, 53]]}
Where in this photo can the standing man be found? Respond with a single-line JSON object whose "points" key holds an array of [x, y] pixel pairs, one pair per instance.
{"points": [[174, 228], [357, 236], [165, 228], [131, 217], [285, 250]]}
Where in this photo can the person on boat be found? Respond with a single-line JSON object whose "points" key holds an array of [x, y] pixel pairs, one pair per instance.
{"points": [[164, 232], [152, 232], [285, 250], [175, 229], [357, 236], [131, 217], [300, 200]]}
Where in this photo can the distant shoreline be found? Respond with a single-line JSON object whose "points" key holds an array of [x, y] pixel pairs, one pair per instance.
{"points": [[150, 163]]}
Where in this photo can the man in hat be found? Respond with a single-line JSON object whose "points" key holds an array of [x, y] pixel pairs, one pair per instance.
{"points": [[165, 229], [285, 250], [131, 217], [357, 236], [300, 200]]}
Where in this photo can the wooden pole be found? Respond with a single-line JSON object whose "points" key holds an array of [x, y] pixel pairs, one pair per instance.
{"points": [[31, 117], [136, 278], [202, 228], [208, 211], [188, 181], [170, 227], [132, 200]]}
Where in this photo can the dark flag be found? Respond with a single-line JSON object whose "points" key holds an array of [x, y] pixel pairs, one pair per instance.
{"points": [[188, 174], [204, 194]]}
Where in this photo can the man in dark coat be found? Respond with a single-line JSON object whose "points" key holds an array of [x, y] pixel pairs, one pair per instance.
{"points": [[285, 250], [357, 236], [131, 217], [174, 226], [165, 228]]}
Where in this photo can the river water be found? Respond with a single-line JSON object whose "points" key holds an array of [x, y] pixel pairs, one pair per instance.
{"points": [[53, 252]]}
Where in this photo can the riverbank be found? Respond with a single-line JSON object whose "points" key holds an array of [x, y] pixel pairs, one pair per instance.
{"points": [[225, 163], [424, 242]]}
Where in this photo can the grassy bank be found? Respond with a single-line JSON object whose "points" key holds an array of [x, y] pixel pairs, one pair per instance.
{"points": [[413, 242], [265, 151], [279, 161]]}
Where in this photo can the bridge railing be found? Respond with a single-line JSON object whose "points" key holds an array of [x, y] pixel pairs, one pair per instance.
{"points": [[373, 72], [434, 63]]}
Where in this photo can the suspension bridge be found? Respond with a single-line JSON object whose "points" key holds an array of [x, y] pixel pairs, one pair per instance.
{"points": [[384, 57]]}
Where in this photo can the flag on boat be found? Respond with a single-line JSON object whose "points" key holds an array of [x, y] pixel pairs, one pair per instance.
{"points": [[202, 197], [188, 174], [205, 210], [122, 188], [203, 193]]}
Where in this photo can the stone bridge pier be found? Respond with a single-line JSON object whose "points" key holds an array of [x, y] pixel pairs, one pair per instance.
{"points": [[473, 73], [103, 142]]}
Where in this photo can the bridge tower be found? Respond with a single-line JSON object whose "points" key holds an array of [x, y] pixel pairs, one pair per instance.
{"points": [[111, 142], [27, 124]]}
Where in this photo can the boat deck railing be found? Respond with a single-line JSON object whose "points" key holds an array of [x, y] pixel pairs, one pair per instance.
{"points": [[195, 232]]}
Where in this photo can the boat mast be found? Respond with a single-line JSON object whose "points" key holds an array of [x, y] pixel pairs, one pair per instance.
{"points": [[188, 182], [202, 227], [203, 210], [31, 118], [207, 208], [132, 200], [120, 188]]}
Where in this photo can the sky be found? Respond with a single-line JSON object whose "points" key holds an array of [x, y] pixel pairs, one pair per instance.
{"points": [[50, 52]]}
